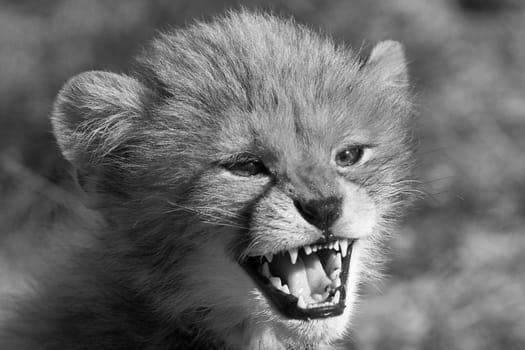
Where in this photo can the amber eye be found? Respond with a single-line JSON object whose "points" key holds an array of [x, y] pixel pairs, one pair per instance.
{"points": [[349, 156], [245, 166]]}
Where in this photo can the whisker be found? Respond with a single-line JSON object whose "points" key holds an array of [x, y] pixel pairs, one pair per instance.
{"points": [[225, 225]]}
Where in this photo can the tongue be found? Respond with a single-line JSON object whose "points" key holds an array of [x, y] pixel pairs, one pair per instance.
{"points": [[293, 275], [317, 279], [306, 277]]}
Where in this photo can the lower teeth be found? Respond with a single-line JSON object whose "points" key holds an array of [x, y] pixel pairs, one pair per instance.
{"points": [[335, 300]]}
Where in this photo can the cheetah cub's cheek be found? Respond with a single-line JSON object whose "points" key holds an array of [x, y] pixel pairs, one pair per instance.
{"points": [[358, 212]]}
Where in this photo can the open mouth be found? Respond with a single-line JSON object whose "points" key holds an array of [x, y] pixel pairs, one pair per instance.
{"points": [[305, 282]]}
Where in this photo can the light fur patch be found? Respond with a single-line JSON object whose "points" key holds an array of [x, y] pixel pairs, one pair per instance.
{"points": [[359, 214]]}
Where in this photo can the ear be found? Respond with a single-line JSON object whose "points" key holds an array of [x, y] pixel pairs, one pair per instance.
{"points": [[93, 115], [387, 62]]}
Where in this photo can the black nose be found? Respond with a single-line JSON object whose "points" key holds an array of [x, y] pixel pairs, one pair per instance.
{"points": [[320, 213]]}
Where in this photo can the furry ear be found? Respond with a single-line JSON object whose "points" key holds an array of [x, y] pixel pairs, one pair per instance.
{"points": [[93, 115], [387, 62]]}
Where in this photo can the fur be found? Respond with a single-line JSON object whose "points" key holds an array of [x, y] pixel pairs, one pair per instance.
{"points": [[149, 151]]}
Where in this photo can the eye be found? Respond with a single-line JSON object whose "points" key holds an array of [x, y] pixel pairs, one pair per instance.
{"points": [[245, 167], [349, 156]]}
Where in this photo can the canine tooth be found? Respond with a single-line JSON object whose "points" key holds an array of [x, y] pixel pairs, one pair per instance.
{"points": [[276, 282], [344, 247], [293, 255], [269, 257], [336, 298], [266, 270], [336, 283], [307, 249], [336, 246], [285, 289], [300, 302]]}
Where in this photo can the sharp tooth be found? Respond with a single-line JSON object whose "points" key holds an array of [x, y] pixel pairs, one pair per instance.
{"points": [[293, 255], [285, 289], [314, 248], [344, 247], [336, 283], [331, 245], [336, 246], [269, 257], [276, 282], [300, 302], [336, 297], [307, 249], [266, 270]]}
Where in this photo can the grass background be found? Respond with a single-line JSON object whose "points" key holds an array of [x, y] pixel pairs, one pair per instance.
{"points": [[456, 279]]}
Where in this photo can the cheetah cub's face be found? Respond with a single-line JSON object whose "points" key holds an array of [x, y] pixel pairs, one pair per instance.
{"points": [[253, 165]]}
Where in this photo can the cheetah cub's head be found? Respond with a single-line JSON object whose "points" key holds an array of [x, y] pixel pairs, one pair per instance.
{"points": [[247, 170]]}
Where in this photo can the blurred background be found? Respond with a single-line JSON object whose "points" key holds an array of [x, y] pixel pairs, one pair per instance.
{"points": [[456, 279]]}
